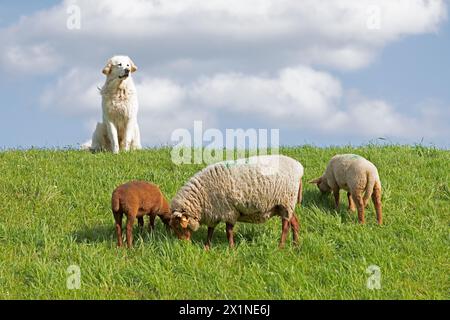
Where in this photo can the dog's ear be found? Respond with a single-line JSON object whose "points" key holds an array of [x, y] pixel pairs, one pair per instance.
{"points": [[133, 66], [107, 69], [316, 181]]}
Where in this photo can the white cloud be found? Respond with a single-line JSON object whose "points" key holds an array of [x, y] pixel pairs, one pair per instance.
{"points": [[74, 94], [252, 32], [299, 92], [376, 118], [296, 98], [254, 60], [32, 59], [160, 94]]}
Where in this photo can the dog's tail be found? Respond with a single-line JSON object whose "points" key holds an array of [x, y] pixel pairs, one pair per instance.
{"points": [[98, 141], [86, 145]]}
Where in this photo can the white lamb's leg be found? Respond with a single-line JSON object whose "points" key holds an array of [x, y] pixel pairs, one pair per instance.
{"points": [[112, 135]]}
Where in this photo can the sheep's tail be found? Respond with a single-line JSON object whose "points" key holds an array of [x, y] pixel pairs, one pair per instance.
{"points": [[115, 204], [300, 192], [371, 181]]}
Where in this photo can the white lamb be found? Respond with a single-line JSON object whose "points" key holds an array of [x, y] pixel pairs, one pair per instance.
{"points": [[358, 176], [247, 190]]}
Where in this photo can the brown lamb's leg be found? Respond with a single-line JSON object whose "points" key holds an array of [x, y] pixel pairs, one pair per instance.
{"points": [[359, 206], [284, 231], [230, 235], [209, 238], [351, 204], [336, 198], [118, 219], [130, 222], [376, 198], [141, 222], [151, 223], [294, 226]]}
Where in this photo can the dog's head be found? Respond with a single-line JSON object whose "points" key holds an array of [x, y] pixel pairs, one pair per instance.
{"points": [[119, 67]]}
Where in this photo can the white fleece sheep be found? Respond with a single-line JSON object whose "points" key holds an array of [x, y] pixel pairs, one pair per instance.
{"points": [[356, 175], [248, 190]]}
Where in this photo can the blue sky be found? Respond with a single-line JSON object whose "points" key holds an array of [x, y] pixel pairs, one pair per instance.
{"points": [[413, 69], [332, 83], [12, 10]]}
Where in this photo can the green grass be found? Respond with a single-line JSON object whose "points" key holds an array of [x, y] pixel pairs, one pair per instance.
{"points": [[55, 212]]}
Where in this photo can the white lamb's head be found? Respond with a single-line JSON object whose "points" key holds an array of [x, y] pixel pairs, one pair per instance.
{"points": [[321, 184]]}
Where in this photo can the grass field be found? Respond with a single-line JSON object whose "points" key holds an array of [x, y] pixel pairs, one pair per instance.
{"points": [[55, 212]]}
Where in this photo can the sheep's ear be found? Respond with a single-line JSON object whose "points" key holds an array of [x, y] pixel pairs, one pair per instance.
{"points": [[316, 181], [133, 66], [107, 69], [184, 222]]}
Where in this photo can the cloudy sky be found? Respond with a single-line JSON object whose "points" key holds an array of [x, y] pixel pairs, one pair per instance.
{"points": [[323, 72]]}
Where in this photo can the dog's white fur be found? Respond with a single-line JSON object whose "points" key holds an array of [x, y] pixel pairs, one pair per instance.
{"points": [[119, 129]]}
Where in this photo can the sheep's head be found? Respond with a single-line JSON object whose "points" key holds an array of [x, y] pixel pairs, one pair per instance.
{"points": [[321, 184], [183, 225]]}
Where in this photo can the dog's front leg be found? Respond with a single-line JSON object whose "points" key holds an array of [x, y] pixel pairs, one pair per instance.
{"points": [[112, 135], [129, 134]]}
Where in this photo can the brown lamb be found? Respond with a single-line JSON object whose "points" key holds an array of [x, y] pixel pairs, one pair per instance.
{"points": [[137, 199]]}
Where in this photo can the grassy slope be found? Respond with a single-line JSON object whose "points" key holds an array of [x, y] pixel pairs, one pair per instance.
{"points": [[56, 212]]}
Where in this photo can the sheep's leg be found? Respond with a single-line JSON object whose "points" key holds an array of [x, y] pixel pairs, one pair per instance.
{"points": [[118, 219], [300, 192], [376, 198], [209, 238], [230, 235], [151, 223], [294, 227], [130, 222], [284, 231], [351, 204], [167, 226], [336, 198], [359, 206], [141, 222]]}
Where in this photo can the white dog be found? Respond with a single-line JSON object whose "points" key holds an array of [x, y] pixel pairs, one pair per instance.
{"points": [[119, 129]]}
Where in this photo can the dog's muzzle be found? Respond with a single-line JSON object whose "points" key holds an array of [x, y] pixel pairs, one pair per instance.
{"points": [[127, 73]]}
